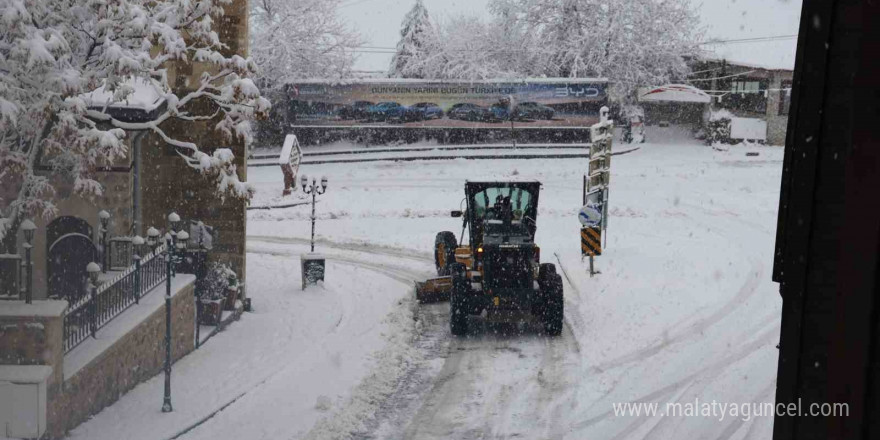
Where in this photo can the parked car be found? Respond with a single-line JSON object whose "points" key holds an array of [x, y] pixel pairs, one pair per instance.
{"points": [[469, 112], [533, 110], [500, 111], [428, 110], [357, 110], [392, 111]]}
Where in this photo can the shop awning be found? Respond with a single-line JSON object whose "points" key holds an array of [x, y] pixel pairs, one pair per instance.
{"points": [[674, 93]]}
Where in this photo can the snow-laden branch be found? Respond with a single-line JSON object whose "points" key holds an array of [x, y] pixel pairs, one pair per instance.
{"points": [[53, 54]]}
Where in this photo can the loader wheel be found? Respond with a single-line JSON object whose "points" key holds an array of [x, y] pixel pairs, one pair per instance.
{"points": [[458, 313], [444, 252], [546, 272], [552, 310]]}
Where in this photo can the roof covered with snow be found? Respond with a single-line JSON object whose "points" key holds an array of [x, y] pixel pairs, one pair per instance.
{"points": [[142, 100]]}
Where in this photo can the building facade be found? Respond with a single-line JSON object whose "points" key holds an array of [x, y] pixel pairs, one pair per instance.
{"points": [[748, 91], [141, 189]]}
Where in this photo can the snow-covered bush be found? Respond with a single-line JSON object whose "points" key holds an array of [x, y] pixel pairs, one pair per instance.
{"points": [[218, 279], [718, 127]]}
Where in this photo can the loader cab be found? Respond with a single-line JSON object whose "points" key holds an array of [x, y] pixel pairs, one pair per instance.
{"points": [[501, 211]]}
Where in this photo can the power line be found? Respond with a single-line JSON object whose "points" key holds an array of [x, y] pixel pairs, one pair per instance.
{"points": [[707, 42], [354, 3], [751, 40]]}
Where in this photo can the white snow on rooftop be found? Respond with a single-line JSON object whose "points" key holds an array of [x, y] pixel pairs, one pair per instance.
{"points": [[143, 96]]}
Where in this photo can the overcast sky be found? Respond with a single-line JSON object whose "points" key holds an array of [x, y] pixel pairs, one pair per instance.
{"points": [[378, 21]]}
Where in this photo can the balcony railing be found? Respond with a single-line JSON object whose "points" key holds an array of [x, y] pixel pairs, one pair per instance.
{"points": [[93, 311]]}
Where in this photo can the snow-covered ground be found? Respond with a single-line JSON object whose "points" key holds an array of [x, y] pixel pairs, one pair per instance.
{"points": [[684, 309]]}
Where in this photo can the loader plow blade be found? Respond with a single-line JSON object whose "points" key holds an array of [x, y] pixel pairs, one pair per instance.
{"points": [[434, 290]]}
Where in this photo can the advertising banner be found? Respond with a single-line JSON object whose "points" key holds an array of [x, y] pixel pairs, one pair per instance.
{"points": [[536, 103]]}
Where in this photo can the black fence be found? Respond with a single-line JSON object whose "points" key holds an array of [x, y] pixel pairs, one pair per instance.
{"points": [[94, 311]]}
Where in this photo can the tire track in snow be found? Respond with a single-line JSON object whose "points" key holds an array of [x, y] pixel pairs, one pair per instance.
{"points": [[711, 370]]}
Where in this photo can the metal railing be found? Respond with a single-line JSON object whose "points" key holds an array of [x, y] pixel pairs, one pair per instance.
{"points": [[94, 310]]}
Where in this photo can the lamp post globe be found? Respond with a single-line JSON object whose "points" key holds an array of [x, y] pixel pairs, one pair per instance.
{"points": [[104, 217], [137, 241], [93, 269], [28, 227], [152, 237], [174, 221], [182, 239]]}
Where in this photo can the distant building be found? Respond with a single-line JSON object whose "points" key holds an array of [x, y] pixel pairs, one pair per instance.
{"points": [[747, 91]]}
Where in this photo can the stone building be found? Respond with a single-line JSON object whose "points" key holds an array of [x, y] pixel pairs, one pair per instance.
{"points": [[65, 384], [142, 188]]}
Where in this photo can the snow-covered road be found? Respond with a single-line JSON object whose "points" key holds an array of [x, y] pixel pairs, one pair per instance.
{"points": [[684, 309]]}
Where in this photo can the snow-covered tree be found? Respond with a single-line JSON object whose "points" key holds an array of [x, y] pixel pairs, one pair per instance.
{"points": [[631, 42], [416, 34], [300, 39], [464, 47], [52, 52]]}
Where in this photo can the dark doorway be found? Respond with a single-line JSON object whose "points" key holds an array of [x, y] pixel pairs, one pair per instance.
{"points": [[70, 249]]}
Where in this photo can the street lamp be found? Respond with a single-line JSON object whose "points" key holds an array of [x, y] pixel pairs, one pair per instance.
{"points": [[172, 239], [152, 238], [314, 190], [104, 217], [93, 269], [28, 227], [137, 246]]}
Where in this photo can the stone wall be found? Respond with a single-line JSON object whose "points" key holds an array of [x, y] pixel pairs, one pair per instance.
{"points": [[32, 334], [132, 359], [193, 196]]}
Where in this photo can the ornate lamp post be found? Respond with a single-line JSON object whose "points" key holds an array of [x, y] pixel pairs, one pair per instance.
{"points": [[152, 238], [173, 223], [314, 190], [93, 269], [28, 227], [104, 216], [172, 239], [137, 246]]}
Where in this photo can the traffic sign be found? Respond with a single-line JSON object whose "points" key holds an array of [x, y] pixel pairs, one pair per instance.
{"points": [[590, 215]]}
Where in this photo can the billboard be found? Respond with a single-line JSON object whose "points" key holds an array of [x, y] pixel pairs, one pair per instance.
{"points": [[536, 103]]}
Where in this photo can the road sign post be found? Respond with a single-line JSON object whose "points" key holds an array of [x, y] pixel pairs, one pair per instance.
{"points": [[594, 214]]}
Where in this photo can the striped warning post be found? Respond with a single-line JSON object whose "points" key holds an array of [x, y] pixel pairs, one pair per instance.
{"points": [[591, 241]]}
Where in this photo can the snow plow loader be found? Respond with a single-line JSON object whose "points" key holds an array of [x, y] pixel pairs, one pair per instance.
{"points": [[498, 270]]}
